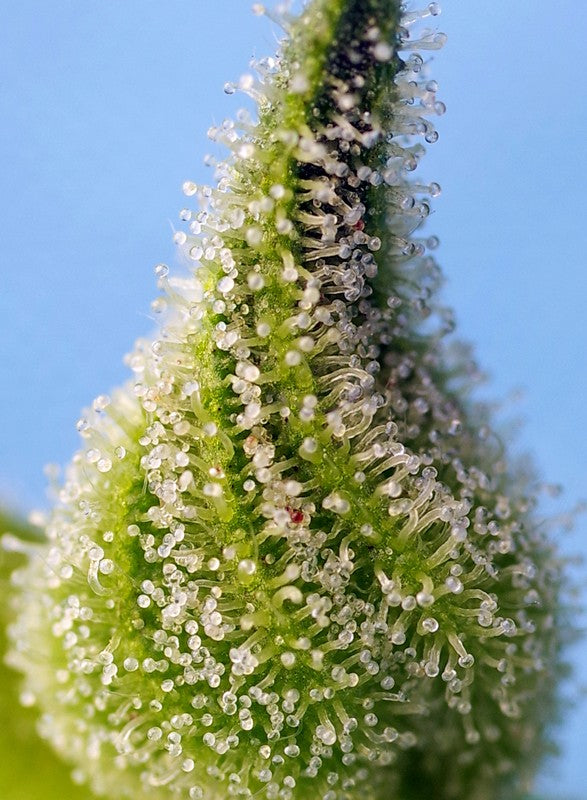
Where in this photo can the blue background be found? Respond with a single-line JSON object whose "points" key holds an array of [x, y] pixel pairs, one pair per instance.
{"points": [[104, 107]]}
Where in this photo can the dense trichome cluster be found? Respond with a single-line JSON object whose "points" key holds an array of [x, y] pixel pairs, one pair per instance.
{"points": [[290, 560]]}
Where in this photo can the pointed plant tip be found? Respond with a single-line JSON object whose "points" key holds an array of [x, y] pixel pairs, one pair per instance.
{"points": [[290, 559]]}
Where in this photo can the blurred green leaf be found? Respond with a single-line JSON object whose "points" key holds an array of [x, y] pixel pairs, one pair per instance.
{"points": [[29, 770]]}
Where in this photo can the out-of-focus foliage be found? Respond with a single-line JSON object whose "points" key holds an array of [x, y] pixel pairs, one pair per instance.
{"points": [[29, 770]]}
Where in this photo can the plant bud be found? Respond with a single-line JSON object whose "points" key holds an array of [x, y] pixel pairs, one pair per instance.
{"points": [[291, 560]]}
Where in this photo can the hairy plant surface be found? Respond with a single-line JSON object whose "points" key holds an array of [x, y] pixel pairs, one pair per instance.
{"points": [[291, 559]]}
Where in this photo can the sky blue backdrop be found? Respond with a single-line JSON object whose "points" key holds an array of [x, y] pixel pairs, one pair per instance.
{"points": [[104, 107]]}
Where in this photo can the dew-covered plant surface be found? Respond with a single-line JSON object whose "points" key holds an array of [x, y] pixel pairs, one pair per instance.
{"points": [[291, 559]]}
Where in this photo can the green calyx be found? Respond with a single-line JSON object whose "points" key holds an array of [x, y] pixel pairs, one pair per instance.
{"points": [[290, 559]]}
